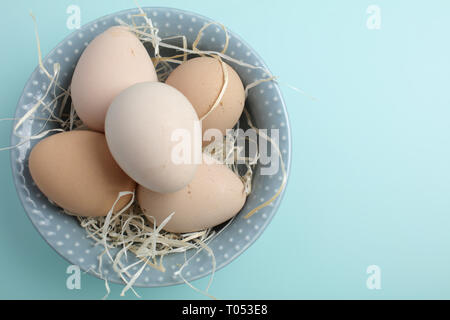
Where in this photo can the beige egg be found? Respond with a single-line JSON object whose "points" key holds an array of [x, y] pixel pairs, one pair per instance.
{"points": [[76, 171], [214, 196], [154, 134], [112, 62], [201, 80]]}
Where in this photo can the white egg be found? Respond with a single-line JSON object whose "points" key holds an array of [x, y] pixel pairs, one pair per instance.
{"points": [[154, 135]]}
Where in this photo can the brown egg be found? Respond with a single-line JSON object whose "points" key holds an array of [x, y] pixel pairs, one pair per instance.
{"points": [[112, 62], [201, 80], [76, 171], [214, 196]]}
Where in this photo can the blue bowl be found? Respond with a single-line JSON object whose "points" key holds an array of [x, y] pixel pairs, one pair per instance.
{"points": [[63, 232]]}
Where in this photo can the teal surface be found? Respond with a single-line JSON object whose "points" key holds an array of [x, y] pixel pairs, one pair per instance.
{"points": [[370, 178]]}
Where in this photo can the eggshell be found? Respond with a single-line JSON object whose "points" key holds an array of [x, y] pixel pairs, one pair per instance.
{"points": [[201, 80], [112, 62], [141, 127], [214, 196], [76, 171]]}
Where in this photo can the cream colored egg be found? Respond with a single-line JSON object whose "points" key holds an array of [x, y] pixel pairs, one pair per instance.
{"points": [[112, 62], [76, 171], [214, 196], [201, 80], [154, 134]]}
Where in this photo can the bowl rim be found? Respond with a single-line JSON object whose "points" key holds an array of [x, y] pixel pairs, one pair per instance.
{"points": [[287, 159]]}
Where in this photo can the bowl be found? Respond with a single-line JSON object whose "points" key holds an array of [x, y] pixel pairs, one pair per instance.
{"points": [[63, 232]]}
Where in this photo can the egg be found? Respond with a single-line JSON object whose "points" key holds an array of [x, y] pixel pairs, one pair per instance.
{"points": [[154, 134], [112, 62], [201, 80], [214, 196], [76, 171]]}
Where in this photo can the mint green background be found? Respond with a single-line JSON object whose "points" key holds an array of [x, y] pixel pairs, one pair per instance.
{"points": [[370, 179]]}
